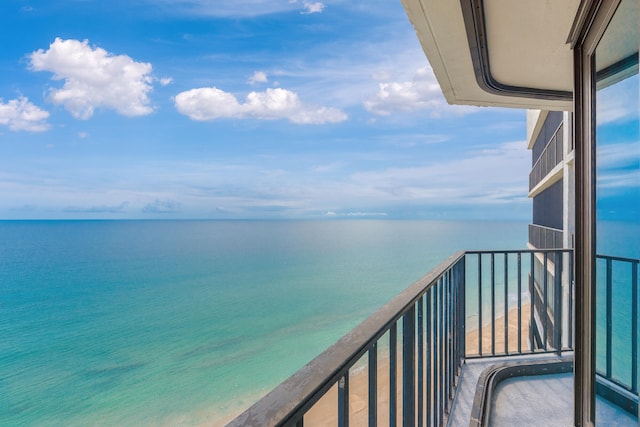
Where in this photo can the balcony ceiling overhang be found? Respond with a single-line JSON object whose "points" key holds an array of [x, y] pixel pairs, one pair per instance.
{"points": [[502, 53]]}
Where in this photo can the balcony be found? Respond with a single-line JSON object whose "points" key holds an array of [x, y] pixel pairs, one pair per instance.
{"points": [[542, 237], [550, 157], [457, 346]]}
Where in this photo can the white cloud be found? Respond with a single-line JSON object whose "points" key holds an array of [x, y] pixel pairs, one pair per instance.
{"points": [[327, 168], [206, 104], [99, 209], [94, 78], [83, 135], [363, 214], [618, 165], [235, 8], [490, 178], [618, 155], [164, 81], [485, 177], [162, 206], [619, 102], [477, 181], [258, 77], [313, 7], [621, 179], [20, 114], [422, 93]]}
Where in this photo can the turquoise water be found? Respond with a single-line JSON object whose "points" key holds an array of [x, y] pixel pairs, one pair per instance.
{"points": [[617, 239], [184, 322]]}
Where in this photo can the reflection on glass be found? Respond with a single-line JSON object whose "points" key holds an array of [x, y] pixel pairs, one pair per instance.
{"points": [[618, 202]]}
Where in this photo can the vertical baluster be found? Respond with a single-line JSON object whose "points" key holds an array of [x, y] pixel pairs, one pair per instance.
{"points": [[570, 300], [557, 303], [462, 289], [480, 304], [450, 333], [634, 326], [408, 367], [545, 295], [429, 340], [437, 403], [441, 349], [373, 385], [506, 303], [455, 323], [451, 341], [420, 361], [300, 422], [436, 355], [393, 355], [343, 401], [532, 304], [609, 316], [519, 303], [445, 341], [493, 305]]}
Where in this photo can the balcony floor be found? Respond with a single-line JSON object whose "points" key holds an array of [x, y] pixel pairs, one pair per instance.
{"points": [[540, 400], [547, 400]]}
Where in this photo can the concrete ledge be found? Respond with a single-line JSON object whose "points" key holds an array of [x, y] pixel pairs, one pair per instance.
{"points": [[493, 375]]}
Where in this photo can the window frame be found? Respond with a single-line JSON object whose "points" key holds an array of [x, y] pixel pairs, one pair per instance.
{"points": [[590, 25]]}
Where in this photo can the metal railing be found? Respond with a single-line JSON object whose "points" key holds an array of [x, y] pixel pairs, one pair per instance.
{"points": [[545, 237], [552, 154], [617, 320], [525, 297], [421, 337]]}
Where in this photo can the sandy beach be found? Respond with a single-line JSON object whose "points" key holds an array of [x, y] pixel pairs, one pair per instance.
{"points": [[324, 413]]}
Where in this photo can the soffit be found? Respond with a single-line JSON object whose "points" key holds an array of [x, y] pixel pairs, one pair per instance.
{"points": [[617, 53], [525, 47]]}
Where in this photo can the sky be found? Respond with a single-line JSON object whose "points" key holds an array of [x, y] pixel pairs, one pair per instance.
{"points": [[618, 152], [211, 109]]}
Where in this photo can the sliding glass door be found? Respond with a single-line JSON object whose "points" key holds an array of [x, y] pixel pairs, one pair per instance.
{"points": [[617, 204], [607, 137]]}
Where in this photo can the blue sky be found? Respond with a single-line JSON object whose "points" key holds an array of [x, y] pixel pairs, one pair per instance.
{"points": [[241, 109], [618, 151]]}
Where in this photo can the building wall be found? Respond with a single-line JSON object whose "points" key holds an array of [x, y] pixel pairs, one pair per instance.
{"points": [[553, 212], [552, 121], [548, 207], [552, 192]]}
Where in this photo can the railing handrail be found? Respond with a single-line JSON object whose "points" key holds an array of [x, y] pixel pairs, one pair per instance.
{"points": [[545, 237], [546, 227], [551, 140], [544, 164], [519, 251], [442, 293], [618, 258], [305, 387]]}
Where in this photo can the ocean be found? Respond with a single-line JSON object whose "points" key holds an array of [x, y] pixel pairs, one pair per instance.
{"points": [[186, 322]]}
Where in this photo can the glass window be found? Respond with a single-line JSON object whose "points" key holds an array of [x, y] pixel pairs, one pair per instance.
{"points": [[617, 162]]}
